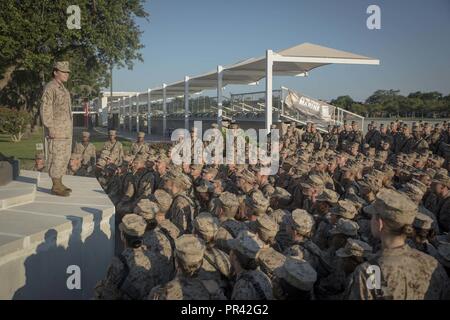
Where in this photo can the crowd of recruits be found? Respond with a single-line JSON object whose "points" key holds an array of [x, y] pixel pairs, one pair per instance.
{"points": [[340, 202]]}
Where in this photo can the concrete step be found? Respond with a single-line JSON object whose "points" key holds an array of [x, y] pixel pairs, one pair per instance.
{"points": [[20, 191]]}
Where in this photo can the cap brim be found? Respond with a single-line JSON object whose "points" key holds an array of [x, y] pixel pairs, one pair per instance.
{"points": [[370, 209], [232, 243], [341, 253]]}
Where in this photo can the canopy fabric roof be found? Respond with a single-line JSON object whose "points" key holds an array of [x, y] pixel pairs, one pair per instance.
{"points": [[293, 61]]}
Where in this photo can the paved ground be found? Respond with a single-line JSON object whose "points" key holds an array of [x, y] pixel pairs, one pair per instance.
{"points": [[41, 235]]}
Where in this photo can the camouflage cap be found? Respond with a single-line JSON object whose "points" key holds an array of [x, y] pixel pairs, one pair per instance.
{"points": [[417, 183], [246, 243], [39, 155], [246, 175], [442, 179], [112, 132], [281, 195], [163, 199], [133, 225], [210, 170], [371, 182], [206, 224], [162, 157], [298, 273], [267, 226], [62, 66], [204, 186], [258, 202], [313, 181], [180, 179], [146, 209], [75, 156], [354, 248], [228, 200], [422, 221], [329, 196], [394, 206], [345, 227], [444, 254], [344, 209], [302, 221], [412, 191], [141, 134], [86, 134], [214, 125], [196, 167], [189, 249]]}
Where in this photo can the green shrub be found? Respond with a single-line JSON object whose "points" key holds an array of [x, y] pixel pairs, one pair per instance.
{"points": [[14, 123]]}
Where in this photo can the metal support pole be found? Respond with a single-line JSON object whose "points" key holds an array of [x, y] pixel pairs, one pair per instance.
{"points": [[186, 102], [149, 114], [219, 95], [164, 110], [269, 67], [130, 103], [137, 112]]}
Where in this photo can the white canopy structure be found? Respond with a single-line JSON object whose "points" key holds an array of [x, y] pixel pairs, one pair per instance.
{"points": [[294, 61]]}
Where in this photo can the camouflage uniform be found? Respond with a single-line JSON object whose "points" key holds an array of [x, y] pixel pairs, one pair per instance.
{"points": [[250, 284], [182, 211], [189, 251], [115, 149], [216, 263], [133, 273], [406, 273], [298, 274], [56, 114], [139, 148], [88, 154]]}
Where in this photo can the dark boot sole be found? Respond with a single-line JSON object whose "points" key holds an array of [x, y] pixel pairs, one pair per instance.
{"points": [[59, 194]]}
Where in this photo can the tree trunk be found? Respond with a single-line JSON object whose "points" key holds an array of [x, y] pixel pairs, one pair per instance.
{"points": [[6, 76]]}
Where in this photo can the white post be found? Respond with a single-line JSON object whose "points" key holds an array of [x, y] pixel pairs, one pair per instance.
{"points": [[149, 115], [164, 110], [186, 102], [269, 66], [119, 103], [130, 113], [219, 95], [137, 112]]}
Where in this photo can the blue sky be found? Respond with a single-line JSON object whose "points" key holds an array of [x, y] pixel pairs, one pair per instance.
{"points": [[190, 37]]}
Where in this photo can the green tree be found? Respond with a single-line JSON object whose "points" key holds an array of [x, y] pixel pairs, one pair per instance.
{"points": [[34, 34], [344, 102], [14, 123]]}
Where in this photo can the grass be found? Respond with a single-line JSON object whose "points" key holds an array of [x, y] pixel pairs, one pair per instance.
{"points": [[25, 150]]}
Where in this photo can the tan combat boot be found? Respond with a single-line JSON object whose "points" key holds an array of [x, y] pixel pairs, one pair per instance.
{"points": [[58, 189], [65, 188]]}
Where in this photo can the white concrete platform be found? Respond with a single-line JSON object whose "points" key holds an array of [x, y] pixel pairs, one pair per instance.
{"points": [[41, 235]]}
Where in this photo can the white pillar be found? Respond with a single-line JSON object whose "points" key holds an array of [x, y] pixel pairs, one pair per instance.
{"points": [[137, 112], [219, 95], [269, 66], [149, 115], [130, 113], [186, 102], [122, 113], [164, 110]]}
